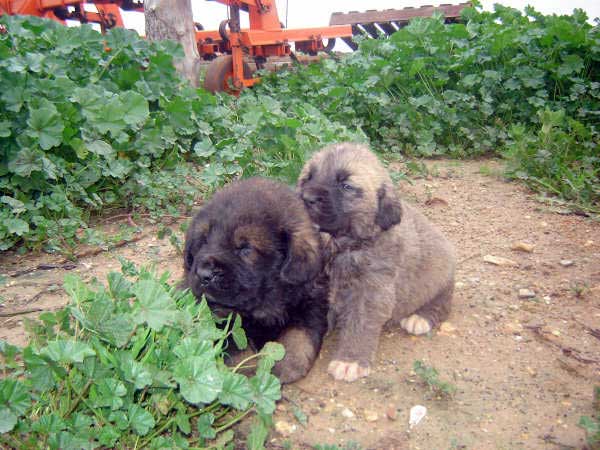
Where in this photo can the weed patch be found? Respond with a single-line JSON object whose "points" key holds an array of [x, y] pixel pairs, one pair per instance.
{"points": [[133, 364]]}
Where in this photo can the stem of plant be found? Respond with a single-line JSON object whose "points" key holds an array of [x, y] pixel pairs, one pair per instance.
{"points": [[162, 428], [78, 398], [235, 420]]}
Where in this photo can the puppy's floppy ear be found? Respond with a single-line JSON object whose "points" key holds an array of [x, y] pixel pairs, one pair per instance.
{"points": [[303, 261], [389, 209]]}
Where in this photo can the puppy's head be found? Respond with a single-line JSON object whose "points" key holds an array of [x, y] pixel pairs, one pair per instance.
{"points": [[252, 237], [347, 192]]}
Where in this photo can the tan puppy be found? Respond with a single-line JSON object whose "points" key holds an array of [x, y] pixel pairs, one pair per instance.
{"points": [[387, 263]]}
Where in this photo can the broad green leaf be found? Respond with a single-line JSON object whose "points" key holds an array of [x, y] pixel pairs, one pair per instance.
{"points": [[26, 162], [8, 419], [267, 390], [155, 306], [109, 118], [14, 396], [49, 423], [99, 147], [183, 422], [40, 371], [204, 148], [117, 329], [194, 347], [258, 435], [108, 436], [199, 379], [46, 125], [63, 351], [119, 286], [69, 441], [135, 108], [140, 420], [205, 428], [76, 288], [16, 226], [108, 393], [16, 206], [119, 418], [236, 391], [273, 350], [135, 372], [238, 334]]}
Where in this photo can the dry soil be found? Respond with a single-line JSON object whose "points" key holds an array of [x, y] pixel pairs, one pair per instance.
{"points": [[523, 368]]}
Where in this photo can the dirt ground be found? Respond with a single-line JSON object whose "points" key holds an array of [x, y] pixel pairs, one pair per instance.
{"points": [[523, 368]]}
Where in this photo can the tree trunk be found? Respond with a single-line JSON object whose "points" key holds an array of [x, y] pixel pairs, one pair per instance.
{"points": [[173, 19]]}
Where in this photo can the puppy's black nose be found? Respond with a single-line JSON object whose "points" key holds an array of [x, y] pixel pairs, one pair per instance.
{"points": [[311, 198], [207, 273], [205, 276]]}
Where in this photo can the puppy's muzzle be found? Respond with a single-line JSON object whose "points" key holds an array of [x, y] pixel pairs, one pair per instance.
{"points": [[208, 273], [311, 198]]}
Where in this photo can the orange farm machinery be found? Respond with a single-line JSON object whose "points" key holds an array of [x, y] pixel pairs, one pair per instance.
{"points": [[225, 48]]}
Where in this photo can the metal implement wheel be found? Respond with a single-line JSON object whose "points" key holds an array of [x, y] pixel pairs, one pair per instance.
{"points": [[219, 75]]}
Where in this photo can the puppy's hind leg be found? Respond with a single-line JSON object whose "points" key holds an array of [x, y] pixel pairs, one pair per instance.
{"points": [[430, 315]]}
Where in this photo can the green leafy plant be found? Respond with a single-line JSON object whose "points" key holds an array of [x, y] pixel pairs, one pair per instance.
{"points": [[484, 86], [562, 158], [430, 376], [591, 424], [133, 364], [90, 122]]}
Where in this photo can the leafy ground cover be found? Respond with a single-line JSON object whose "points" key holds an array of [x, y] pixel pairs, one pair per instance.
{"points": [[525, 86], [91, 122], [135, 364]]}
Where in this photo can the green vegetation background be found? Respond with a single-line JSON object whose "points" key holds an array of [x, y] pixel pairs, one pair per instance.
{"points": [[89, 123]]}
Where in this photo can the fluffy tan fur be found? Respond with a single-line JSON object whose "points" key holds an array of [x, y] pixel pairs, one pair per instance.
{"points": [[387, 262]]}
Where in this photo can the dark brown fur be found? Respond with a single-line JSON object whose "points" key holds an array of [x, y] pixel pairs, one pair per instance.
{"points": [[386, 261], [253, 250]]}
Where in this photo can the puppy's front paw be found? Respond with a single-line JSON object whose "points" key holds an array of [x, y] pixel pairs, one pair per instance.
{"points": [[416, 324], [347, 370], [289, 371]]}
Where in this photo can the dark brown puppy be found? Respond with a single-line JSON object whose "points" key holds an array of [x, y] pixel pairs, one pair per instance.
{"points": [[253, 250], [388, 263]]}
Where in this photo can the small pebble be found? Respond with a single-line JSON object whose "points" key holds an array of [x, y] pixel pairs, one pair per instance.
{"points": [[347, 413], [391, 412], [499, 261], [417, 413], [285, 428], [370, 416], [447, 327], [522, 247], [526, 293]]}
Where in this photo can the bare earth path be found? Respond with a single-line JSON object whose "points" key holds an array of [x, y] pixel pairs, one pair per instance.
{"points": [[523, 368]]}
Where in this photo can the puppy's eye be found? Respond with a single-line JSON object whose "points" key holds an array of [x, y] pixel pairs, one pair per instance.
{"points": [[244, 250], [347, 187]]}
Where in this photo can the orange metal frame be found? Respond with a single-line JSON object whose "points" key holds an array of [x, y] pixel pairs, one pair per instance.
{"points": [[108, 15], [266, 36]]}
